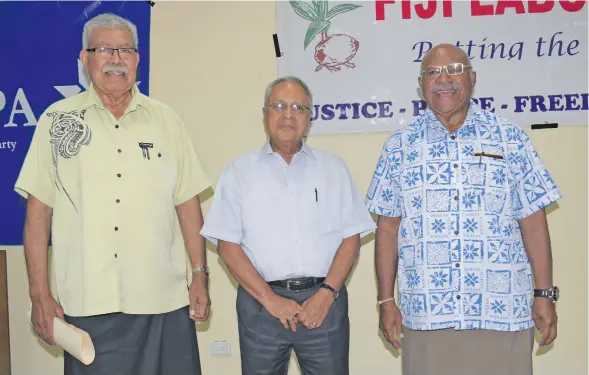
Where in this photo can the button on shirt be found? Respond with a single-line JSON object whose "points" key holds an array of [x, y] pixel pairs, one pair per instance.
{"points": [[117, 243], [462, 262], [289, 219]]}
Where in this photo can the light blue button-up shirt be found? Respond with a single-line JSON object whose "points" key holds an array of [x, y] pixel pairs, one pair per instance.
{"points": [[462, 262], [289, 219]]}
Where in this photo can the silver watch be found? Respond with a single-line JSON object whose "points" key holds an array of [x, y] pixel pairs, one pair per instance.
{"points": [[203, 269]]}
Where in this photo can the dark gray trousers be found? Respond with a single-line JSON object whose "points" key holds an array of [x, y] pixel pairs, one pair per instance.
{"points": [[161, 344], [266, 346]]}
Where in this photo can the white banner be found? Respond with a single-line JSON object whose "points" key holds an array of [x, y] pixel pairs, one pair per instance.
{"points": [[361, 59]]}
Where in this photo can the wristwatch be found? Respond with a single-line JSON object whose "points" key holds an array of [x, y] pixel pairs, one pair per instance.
{"points": [[551, 293], [331, 289], [203, 269]]}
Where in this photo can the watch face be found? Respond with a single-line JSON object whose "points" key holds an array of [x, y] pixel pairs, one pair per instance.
{"points": [[556, 293], [330, 288]]}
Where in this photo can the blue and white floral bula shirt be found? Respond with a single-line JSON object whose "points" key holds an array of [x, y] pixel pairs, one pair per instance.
{"points": [[462, 262]]}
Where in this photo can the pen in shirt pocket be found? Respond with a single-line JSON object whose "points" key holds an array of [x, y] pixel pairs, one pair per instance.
{"points": [[316, 196], [487, 155], [145, 149]]}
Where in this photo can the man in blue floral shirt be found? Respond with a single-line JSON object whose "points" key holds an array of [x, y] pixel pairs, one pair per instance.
{"points": [[460, 196]]}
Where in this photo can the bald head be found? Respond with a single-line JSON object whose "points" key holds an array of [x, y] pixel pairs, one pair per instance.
{"points": [[442, 51]]}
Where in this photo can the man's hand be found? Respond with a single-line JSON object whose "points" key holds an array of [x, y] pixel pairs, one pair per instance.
{"points": [[390, 323], [544, 314], [44, 310], [285, 310], [316, 308], [198, 294]]}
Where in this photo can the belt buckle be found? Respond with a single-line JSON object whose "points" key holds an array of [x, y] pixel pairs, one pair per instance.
{"points": [[288, 284]]}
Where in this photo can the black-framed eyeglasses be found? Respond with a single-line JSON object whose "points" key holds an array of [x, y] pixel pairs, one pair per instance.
{"points": [[108, 51], [281, 107], [452, 69]]}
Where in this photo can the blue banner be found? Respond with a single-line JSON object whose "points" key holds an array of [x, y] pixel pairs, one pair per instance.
{"points": [[39, 65]]}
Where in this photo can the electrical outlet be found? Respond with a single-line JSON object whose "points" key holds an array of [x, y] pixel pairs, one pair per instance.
{"points": [[221, 348]]}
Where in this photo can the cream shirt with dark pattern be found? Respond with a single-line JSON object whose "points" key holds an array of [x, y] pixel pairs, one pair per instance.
{"points": [[113, 186]]}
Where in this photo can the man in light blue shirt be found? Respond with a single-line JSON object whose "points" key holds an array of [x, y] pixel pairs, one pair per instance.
{"points": [[460, 196], [287, 219]]}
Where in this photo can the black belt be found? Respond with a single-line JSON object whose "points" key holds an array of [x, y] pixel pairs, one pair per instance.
{"points": [[298, 284]]}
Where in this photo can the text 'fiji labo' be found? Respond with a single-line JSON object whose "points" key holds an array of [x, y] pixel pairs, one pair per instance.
{"points": [[445, 8]]}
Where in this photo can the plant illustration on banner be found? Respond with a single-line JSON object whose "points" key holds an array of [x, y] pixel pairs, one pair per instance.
{"points": [[333, 51]]}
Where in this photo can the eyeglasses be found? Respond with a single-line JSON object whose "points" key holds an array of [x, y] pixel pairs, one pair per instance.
{"points": [[452, 69], [106, 52], [281, 107]]}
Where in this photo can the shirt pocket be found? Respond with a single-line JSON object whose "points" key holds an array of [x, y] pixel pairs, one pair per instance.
{"points": [[496, 189], [323, 207], [158, 167]]}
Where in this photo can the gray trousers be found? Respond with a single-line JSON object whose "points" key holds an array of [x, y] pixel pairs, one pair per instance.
{"points": [[266, 346], [161, 344]]}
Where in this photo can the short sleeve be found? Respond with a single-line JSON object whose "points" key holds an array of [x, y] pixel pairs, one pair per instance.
{"points": [[192, 177], [223, 221], [532, 187], [384, 193], [37, 174], [355, 217]]}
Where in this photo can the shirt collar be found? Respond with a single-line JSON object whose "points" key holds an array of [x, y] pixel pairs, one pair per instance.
{"points": [[137, 99], [305, 149], [474, 116]]}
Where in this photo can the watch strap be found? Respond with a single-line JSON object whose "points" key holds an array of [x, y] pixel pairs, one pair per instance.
{"points": [[331, 289], [551, 293], [203, 269]]}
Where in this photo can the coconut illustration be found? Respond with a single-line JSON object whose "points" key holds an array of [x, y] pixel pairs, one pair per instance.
{"points": [[332, 52]]}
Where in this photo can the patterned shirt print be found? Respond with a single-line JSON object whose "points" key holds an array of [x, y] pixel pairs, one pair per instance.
{"points": [[68, 133], [462, 262]]}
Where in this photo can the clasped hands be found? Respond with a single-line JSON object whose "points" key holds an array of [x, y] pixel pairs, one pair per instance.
{"points": [[311, 313]]}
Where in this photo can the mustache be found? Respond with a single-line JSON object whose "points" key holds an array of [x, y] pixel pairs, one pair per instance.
{"points": [[441, 86], [116, 69]]}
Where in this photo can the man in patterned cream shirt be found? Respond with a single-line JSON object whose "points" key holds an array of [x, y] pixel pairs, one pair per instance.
{"points": [[460, 196], [112, 172]]}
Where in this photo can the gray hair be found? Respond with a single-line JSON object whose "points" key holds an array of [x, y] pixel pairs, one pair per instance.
{"points": [[290, 79], [109, 21]]}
